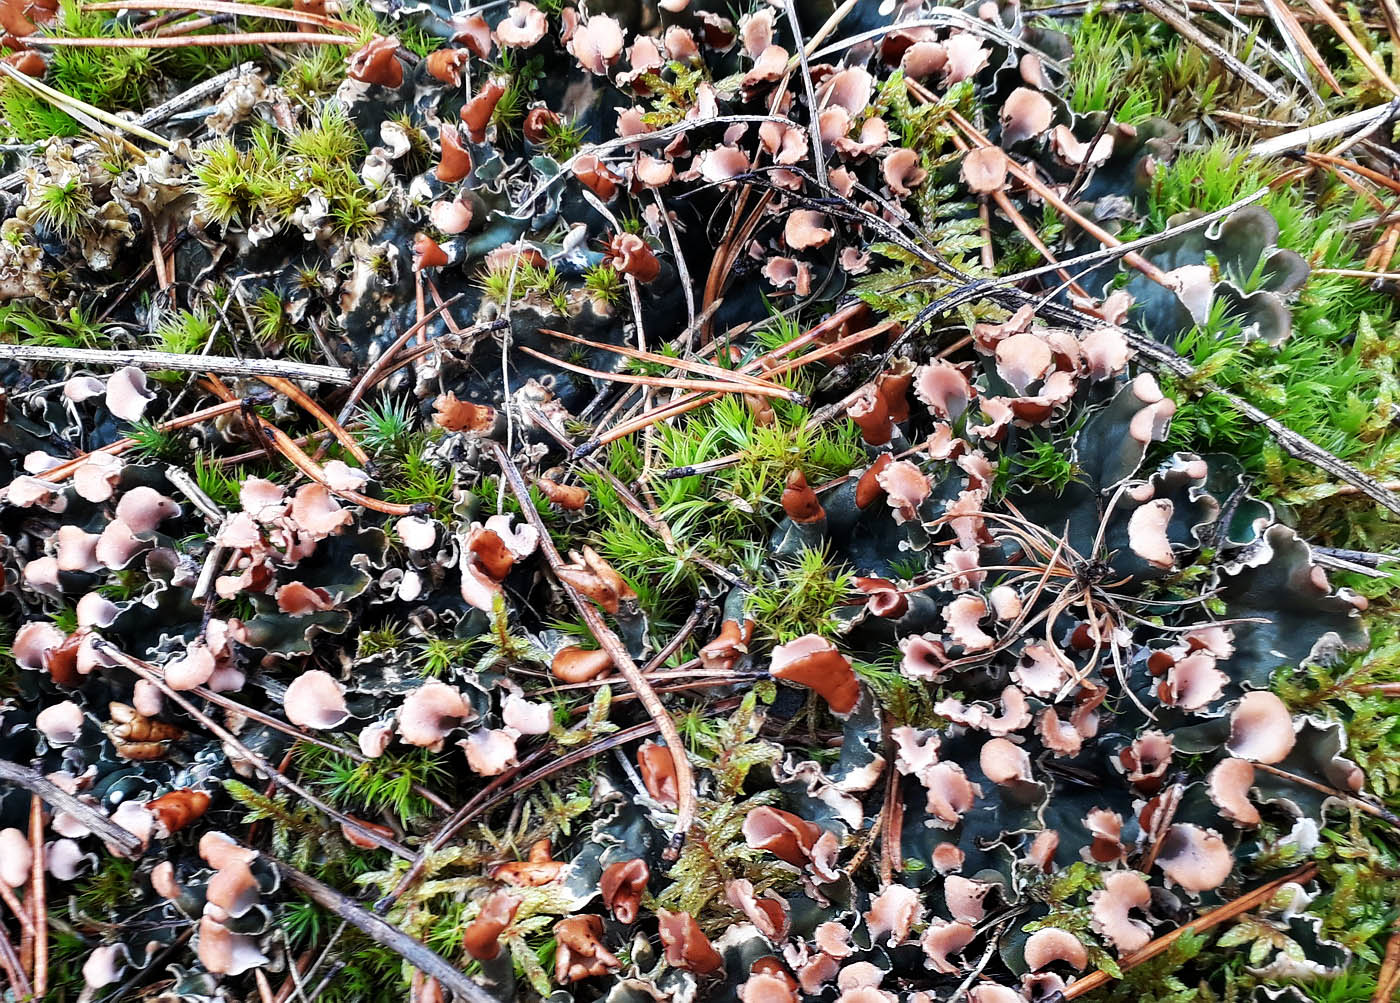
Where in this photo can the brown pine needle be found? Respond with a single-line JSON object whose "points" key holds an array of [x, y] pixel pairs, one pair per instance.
{"points": [[1027, 178], [298, 458], [232, 7], [1370, 175], [664, 381], [378, 370], [690, 402], [14, 971], [836, 347], [1388, 979], [1360, 51], [37, 898], [719, 372], [62, 472], [188, 41], [847, 314], [7, 895], [1351, 800], [154, 675], [666, 411], [1284, 17], [303, 400]]}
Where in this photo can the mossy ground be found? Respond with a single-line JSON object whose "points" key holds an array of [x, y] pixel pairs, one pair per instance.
{"points": [[1334, 382]]}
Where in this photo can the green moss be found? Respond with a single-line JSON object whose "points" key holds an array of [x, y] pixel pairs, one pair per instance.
{"points": [[154, 442], [379, 785], [222, 483], [387, 427], [412, 479], [64, 208], [314, 74], [1110, 51], [186, 332], [515, 283], [802, 599], [1333, 380], [563, 139], [273, 174], [21, 323], [435, 655], [109, 78], [673, 93], [604, 283], [273, 328]]}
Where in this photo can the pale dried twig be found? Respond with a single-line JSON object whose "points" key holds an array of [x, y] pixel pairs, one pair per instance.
{"points": [[177, 361], [124, 843]]}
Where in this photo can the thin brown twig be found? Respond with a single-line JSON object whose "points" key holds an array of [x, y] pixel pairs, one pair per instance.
{"points": [[679, 638], [1370, 175], [1381, 689], [193, 24], [1216, 916], [1165, 813], [417, 954], [1384, 252], [1375, 811], [264, 987], [158, 260], [735, 237], [1356, 186], [7, 896], [664, 412], [253, 454], [295, 971]]}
